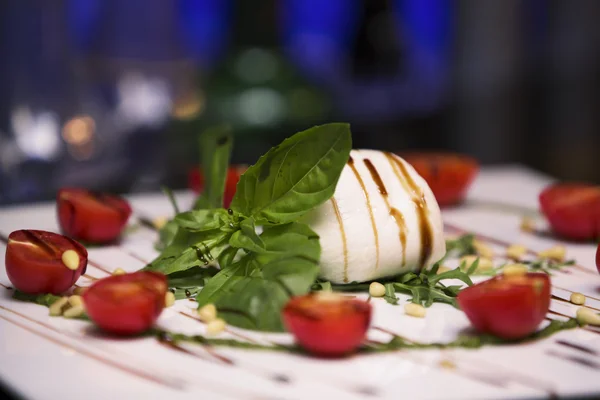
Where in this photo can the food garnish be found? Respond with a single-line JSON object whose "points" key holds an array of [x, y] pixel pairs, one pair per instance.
{"points": [[572, 209], [126, 304], [43, 262], [516, 251], [510, 307], [234, 172], [259, 272], [462, 246], [328, 324], [91, 217], [448, 174], [415, 310], [466, 340], [577, 298], [376, 289], [585, 316]]}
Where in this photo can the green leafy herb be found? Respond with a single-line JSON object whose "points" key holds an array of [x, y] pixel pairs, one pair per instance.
{"points": [[190, 249], [426, 287], [42, 299], [294, 177], [45, 300], [390, 294], [259, 272], [167, 233], [251, 292], [461, 246], [187, 284], [169, 193], [547, 265], [215, 150]]}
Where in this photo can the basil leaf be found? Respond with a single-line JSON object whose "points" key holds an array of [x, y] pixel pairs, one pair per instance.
{"points": [[166, 234], [169, 193], [227, 257], [190, 249], [215, 150], [294, 177], [191, 278], [287, 266], [254, 303], [202, 203], [186, 293], [202, 220], [221, 282], [246, 238], [293, 239]]}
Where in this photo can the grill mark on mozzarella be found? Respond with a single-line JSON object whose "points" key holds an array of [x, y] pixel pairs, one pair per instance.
{"points": [[394, 212], [368, 200], [420, 203], [338, 216]]}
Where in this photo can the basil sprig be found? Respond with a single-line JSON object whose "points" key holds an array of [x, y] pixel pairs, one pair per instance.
{"points": [[259, 271]]}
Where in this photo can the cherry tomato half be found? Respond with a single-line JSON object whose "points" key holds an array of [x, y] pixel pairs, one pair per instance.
{"points": [[126, 304], [573, 210], [92, 217], [327, 324], [449, 175], [34, 261], [598, 257], [196, 182], [510, 307]]}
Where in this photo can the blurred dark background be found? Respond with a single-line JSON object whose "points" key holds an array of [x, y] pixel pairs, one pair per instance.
{"points": [[111, 94]]}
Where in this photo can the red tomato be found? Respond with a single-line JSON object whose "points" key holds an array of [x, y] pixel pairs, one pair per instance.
{"points": [[448, 175], [573, 210], [126, 304], [92, 217], [510, 307], [327, 324], [196, 182], [34, 261]]}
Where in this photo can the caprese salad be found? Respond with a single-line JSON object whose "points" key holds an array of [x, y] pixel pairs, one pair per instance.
{"points": [[310, 219]]}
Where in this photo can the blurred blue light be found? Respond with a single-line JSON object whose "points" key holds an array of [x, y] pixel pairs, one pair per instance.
{"points": [[82, 19], [319, 35], [203, 24]]}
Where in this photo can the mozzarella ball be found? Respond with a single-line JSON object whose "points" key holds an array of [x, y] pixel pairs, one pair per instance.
{"points": [[383, 220]]}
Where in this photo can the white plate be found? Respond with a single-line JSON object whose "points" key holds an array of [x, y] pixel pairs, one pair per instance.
{"points": [[48, 358]]}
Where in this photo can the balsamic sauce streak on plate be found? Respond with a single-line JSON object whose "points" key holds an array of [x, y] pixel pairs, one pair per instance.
{"points": [[555, 297], [338, 216], [279, 378], [585, 328], [570, 291], [369, 208], [100, 267], [395, 213], [418, 198], [576, 359], [139, 373], [578, 347]]}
